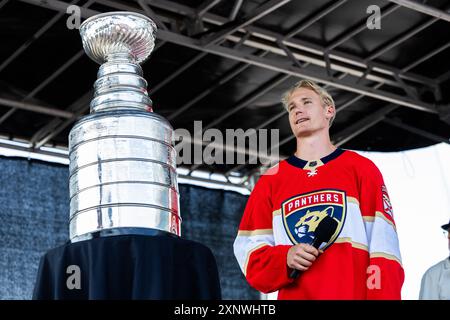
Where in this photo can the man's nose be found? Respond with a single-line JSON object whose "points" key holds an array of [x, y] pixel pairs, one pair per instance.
{"points": [[298, 110]]}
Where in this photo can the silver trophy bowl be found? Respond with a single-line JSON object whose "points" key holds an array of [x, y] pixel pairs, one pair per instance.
{"points": [[117, 33], [122, 161]]}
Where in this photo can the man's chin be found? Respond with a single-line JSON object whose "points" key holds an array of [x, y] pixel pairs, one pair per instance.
{"points": [[304, 133]]}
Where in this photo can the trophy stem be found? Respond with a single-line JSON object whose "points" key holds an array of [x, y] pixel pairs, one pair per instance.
{"points": [[120, 85], [121, 56]]}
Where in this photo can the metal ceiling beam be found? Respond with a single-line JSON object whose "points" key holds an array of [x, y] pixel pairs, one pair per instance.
{"points": [[3, 2], [224, 79], [78, 107], [177, 72], [204, 93], [126, 6], [44, 83], [328, 8], [60, 6], [149, 12], [263, 35], [284, 112], [244, 102], [395, 42], [6, 115], [348, 34], [224, 147], [65, 66], [236, 7], [291, 56], [417, 131], [339, 108], [351, 101], [316, 17], [55, 74], [360, 126], [272, 119], [33, 38], [282, 67], [238, 167], [232, 26], [206, 6], [294, 43], [53, 128], [297, 29], [412, 92], [180, 70], [422, 8], [426, 57], [337, 63], [35, 108], [227, 54], [444, 77]]}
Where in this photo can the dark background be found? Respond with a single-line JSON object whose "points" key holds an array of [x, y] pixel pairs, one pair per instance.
{"points": [[34, 215]]}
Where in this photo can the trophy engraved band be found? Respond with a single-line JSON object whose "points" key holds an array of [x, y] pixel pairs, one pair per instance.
{"points": [[123, 176]]}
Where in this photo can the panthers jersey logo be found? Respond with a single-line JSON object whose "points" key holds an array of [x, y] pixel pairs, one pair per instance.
{"points": [[386, 202], [303, 213]]}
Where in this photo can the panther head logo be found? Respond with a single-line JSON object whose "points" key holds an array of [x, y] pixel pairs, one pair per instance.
{"points": [[308, 223]]}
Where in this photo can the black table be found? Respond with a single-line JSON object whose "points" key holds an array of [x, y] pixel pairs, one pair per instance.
{"points": [[129, 267]]}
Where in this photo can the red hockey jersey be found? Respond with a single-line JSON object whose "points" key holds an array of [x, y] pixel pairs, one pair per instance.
{"points": [[362, 259]]}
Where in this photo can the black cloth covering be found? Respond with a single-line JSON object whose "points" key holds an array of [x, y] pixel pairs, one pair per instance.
{"points": [[130, 267]]}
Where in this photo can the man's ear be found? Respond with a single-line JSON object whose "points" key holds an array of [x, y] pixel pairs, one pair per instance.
{"points": [[330, 111]]}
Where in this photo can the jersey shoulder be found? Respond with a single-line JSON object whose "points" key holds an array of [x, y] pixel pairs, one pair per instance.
{"points": [[276, 170], [362, 163]]}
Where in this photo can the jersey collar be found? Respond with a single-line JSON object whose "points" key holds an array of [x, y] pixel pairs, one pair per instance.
{"points": [[304, 164]]}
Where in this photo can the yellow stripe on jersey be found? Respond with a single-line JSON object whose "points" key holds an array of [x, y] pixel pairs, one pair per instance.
{"points": [[379, 215], [353, 243], [249, 253], [257, 232], [382, 216], [353, 200], [276, 213], [386, 256]]}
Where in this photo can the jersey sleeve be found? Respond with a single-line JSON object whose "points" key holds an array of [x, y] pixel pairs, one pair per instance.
{"points": [[385, 274], [262, 262]]}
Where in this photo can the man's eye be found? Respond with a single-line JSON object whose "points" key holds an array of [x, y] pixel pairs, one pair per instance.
{"points": [[306, 102]]}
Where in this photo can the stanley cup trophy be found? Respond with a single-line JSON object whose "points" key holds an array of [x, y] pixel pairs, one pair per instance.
{"points": [[122, 161]]}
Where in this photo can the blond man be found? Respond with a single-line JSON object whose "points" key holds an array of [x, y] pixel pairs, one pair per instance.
{"points": [[362, 259]]}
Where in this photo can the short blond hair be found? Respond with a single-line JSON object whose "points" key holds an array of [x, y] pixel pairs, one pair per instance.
{"points": [[325, 97]]}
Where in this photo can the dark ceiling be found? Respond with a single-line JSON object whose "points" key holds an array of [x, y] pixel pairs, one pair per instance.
{"points": [[228, 62]]}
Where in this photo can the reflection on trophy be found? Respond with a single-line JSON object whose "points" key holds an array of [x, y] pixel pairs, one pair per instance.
{"points": [[122, 162]]}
